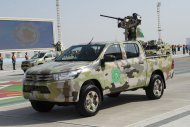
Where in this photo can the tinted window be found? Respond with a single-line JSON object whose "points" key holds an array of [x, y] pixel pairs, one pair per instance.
{"points": [[81, 53], [132, 50], [38, 55], [114, 50], [49, 55], [54, 55]]}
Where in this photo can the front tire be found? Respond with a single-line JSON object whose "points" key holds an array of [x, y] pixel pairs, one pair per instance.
{"points": [[42, 106], [89, 100], [155, 89]]}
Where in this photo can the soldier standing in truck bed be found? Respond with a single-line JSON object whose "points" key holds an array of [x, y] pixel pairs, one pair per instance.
{"points": [[1, 62], [14, 60], [130, 24], [132, 30]]}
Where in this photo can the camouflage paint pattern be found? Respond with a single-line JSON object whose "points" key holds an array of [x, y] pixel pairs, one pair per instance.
{"points": [[116, 76], [163, 49]]}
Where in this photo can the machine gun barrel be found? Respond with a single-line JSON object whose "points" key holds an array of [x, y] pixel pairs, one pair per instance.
{"points": [[112, 17]]}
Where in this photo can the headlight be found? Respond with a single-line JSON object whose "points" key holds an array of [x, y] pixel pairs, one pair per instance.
{"points": [[33, 63], [66, 75]]}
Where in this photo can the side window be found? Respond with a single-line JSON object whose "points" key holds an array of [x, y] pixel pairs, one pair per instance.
{"points": [[114, 50], [132, 50], [54, 55], [49, 55]]}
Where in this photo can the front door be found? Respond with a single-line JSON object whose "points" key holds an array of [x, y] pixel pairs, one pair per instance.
{"points": [[115, 79]]}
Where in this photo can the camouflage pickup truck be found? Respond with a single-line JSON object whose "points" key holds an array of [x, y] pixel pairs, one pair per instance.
{"points": [[83, 74], [37, 59]]}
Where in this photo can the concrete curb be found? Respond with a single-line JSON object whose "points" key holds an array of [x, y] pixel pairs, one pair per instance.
{"points": [[180, 55]]}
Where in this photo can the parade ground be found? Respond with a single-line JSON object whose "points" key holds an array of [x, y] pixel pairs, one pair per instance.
{"points": [[94, 63]]}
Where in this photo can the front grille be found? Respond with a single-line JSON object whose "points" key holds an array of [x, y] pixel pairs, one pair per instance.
{"points": [[39, 77], [25, 62], [25, 65], [41, 89]]}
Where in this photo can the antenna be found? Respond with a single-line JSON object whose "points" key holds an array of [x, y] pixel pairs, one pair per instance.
{"points": [[159, 25], [58, 21], [91, 40]]}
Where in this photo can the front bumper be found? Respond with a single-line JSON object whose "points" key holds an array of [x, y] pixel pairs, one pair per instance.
{"points": [[54, 91]]}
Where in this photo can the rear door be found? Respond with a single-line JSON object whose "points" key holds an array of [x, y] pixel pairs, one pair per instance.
{"points": [[136, 68]]}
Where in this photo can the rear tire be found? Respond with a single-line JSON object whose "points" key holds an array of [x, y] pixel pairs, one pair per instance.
{"points": [[42, 106], [89, 100], [155, 89]]}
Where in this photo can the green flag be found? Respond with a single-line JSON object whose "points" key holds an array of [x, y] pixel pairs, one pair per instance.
{"points": [[139, 33]]}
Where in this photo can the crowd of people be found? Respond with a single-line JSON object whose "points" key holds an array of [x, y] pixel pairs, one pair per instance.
{"points": [[176, 48], [13, 60]]}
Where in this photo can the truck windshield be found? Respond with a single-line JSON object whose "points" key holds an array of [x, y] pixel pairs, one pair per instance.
{"points": [[81, 53], [39, 55]]}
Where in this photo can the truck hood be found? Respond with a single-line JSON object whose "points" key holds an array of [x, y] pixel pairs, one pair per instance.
{"points": [[30, 61], [56, 67]]}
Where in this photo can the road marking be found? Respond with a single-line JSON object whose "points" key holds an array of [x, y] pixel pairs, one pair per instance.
{"points": [[10, 83], [11, 101], [169, 120], [5, 98], [3, 81], [10, 92], [165, 117], [4, 86], [5, 93]]}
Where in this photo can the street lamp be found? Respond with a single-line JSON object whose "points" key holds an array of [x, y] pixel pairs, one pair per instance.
{"points": [[59, 42], [159, 25]]}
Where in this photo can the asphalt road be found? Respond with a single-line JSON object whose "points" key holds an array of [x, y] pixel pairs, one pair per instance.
{"points": [[130, 109], [182, 65]]}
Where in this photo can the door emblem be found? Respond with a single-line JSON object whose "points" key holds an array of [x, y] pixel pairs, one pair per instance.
{"points": [[116, 74]]}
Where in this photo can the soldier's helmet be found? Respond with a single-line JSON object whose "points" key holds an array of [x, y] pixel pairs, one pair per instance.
{"points": [[135, 15]]}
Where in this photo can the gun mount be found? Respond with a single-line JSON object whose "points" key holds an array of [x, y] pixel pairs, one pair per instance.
{"points": [[128, 23]]}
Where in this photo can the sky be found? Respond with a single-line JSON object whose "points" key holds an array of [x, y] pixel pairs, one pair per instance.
{"points": [[81, 21]]}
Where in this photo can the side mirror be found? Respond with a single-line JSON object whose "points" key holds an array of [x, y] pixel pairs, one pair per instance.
{"points": [[102, 63], [107, 58], [45, 57]]}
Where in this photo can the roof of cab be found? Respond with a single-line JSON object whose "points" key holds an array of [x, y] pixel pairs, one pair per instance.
{"points": [[107, 42]]}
